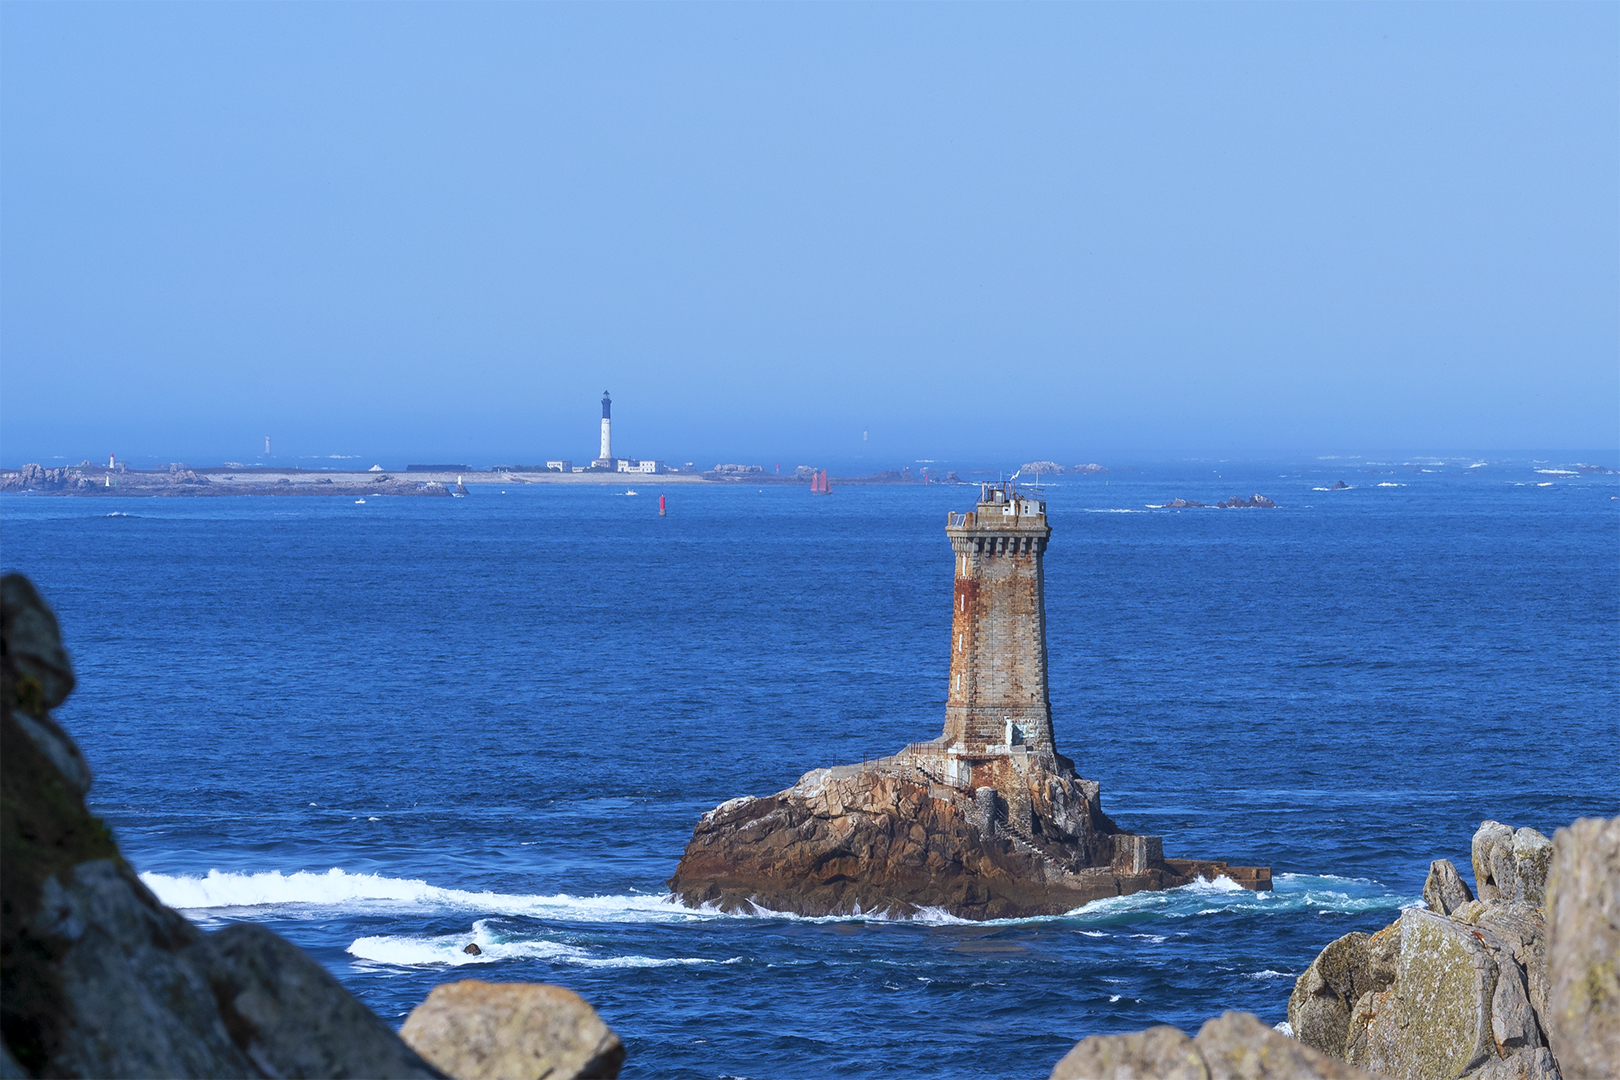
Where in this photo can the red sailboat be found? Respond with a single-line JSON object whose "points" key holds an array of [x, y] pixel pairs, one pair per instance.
{"points": [[819, 485]]}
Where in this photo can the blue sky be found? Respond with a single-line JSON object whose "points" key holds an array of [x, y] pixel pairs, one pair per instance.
{"points": [[986, 232]]}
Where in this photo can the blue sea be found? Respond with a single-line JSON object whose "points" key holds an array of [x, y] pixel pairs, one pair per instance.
{"points": [[392, 729]]}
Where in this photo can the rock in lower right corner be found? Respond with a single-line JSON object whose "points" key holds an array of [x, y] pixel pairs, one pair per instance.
{"points": [[1583, 948], [473, 1030]]}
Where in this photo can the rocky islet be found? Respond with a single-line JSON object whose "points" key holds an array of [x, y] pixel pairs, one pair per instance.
{"points": [[986, 821]]}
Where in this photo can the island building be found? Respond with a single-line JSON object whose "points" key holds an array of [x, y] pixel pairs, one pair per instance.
{"points": [[986, 821]]}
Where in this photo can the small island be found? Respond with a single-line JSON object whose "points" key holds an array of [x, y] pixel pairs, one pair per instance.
{"points": [[986, 821]]}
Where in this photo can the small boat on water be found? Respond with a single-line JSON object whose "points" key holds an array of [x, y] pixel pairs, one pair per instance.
{"points": [[359, 502], [819, 485], [632, 491]]}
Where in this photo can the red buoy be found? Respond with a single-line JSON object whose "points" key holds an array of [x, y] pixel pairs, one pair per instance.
{"points": [[662, 511]]}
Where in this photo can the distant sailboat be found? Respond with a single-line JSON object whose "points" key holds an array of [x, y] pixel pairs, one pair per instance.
{"points": [[819, 485]]}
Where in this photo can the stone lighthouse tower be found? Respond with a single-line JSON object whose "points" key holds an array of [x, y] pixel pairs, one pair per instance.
{"points": [[604, 460], [997, 701]]}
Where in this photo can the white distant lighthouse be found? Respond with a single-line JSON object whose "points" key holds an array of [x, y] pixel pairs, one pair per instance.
{"points": [[605, 459]]}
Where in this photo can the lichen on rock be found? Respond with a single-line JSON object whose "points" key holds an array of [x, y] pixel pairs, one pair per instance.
{"points": [[1488, 988], [1583, 948]]}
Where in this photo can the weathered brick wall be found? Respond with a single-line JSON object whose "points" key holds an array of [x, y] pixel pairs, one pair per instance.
{"points": [[998, 627]]}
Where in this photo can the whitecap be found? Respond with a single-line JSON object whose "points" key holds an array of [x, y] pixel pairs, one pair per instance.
{"points": [[1545, 483], [1268, 973], [308, 894], [1387, 483], [340, 890], [450, 951], [1557, 472]]}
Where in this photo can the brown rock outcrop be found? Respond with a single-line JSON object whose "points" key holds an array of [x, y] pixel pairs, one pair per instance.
{"points": [[473, 1030], [882, 837], [1233, 1046]]}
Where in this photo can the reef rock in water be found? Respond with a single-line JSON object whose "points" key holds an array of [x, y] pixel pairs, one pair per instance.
{"points": [[987, 821], [885, 837]]}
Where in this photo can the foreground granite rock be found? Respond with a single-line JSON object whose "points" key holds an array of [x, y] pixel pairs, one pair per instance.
{"points": [[99, 979], [1233, 1046], [473, 1030], [987, 821], [1473, 987], [1583, 948]]}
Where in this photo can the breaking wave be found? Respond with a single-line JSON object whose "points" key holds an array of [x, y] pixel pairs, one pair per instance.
{"points": [[450, 950], [305, 892], [336, 888]]}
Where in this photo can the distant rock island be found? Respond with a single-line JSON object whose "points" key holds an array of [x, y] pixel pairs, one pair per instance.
{"points": [[987, 821], [1255, 502], [1052, 468]]}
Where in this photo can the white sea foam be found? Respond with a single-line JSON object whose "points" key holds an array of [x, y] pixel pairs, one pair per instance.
{"points": [[338, 889], [306, 893], [1388, 483], [406, 950], [1545, 483], [1557, 472], [1268, 974]]}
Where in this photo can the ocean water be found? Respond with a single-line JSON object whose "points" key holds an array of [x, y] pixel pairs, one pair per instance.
{"points": [[389, 730]]}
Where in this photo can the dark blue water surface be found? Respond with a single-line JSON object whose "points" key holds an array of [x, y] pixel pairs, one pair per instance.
{"points": [[392, 729]]}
